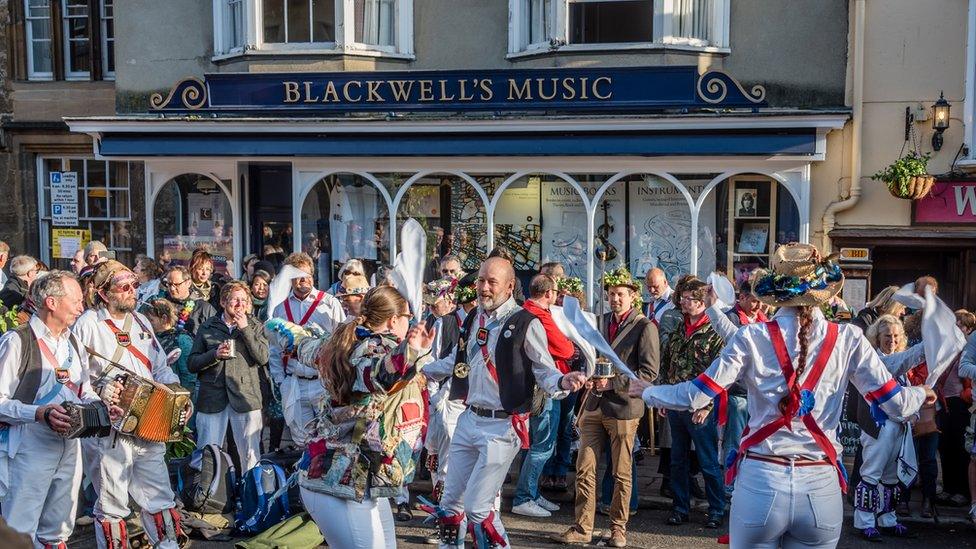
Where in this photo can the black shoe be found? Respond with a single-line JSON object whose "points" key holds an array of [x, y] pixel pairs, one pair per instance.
{"points": [[403, 513], [677, 518], [713, 522]]}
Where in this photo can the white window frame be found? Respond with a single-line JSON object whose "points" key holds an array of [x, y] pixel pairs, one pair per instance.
{"points": [[345, 43], [102, 21], [29, 40], [84, 220], [66, 42], [663, 35]]}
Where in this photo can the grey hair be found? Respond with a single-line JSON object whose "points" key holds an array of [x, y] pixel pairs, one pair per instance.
{"points": [[177, 269], [50, 284], [22, 264]]}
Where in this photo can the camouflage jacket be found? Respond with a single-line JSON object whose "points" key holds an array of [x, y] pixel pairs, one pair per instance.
{"points": [[685, 357]]}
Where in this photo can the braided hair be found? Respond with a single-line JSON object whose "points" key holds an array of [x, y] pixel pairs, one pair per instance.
{"points": [[806, 323]]}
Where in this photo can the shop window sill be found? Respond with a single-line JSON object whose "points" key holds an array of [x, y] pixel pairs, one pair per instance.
{"points": [[312, 52], [615, 48]]}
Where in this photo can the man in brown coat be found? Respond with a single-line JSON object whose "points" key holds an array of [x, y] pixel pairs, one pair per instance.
{"points": [[608, 412]]}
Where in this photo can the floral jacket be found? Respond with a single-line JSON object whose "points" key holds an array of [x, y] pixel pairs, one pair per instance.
{"points": [[369, 448], [684, 356]]}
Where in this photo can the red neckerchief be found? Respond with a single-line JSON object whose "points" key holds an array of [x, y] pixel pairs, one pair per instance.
{"points": [[744, 319], [615, 324], [692, 328]]}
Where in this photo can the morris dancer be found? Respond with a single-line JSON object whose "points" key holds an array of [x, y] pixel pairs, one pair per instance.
{"points": [[789, 451], [44, 467], [494, 370], [300, 385], [120, 465]]}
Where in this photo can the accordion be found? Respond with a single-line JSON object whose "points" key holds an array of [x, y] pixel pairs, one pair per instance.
{"points": [[87, 420], [153, 411]]}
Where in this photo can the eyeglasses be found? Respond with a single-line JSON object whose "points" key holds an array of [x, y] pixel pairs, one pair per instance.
{"points": [[124, 288], [689, 299], [407, 316], [175, 284]]}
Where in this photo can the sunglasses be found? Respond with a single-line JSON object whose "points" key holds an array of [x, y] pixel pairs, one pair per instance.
{"points": [[124, 288]]}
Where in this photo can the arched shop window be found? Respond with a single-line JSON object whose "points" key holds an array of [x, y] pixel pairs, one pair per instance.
{"points": [[454, 217], [345, 217], [542, 218], [192, 211], [753, 214], [645, 222]]}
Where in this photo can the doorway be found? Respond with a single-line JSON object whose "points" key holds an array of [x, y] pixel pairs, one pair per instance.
{"points": [[269, 211]]}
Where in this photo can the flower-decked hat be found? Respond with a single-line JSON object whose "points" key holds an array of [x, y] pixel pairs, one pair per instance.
{"points": [[621, 277], [442, 288], [798, 276], [465, 291]]}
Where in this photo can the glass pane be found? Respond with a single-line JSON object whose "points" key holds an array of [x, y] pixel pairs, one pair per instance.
{"points": [[96, 173], [41, 55], [38, 8], [110, 56], [101, 230], [692, 19], [612, 21], [375, 21], [76, 8], [345, 217], [40, 29], [518, 226], [79, 56], [97, 203], [190, 212], [274, 21], [298, 22], [121, 236], [323, 20], [77, 165], [119, 201], [118, 175]]}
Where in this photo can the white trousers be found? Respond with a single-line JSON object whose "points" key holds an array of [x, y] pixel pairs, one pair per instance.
{"points": [[120, 466], [45, 476], [246, 426], [443, 422], [482, 451], [347, 524], [299, 404], [880, 466], [785, 506]]}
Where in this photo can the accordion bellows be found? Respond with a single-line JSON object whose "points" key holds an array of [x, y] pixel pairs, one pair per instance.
{"points": [[153, 411]]}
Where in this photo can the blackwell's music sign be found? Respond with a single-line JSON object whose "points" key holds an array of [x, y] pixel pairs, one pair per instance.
{"points": [[636, 88]]}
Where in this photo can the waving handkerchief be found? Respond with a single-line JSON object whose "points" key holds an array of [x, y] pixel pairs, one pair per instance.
{"points": [[723, 290], [586, 330]]}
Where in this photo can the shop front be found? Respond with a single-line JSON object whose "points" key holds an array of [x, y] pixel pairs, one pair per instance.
{"points": [[661, 166]]}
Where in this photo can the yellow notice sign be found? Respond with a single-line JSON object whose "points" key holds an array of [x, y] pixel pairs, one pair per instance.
{"points": [[66, 242]]}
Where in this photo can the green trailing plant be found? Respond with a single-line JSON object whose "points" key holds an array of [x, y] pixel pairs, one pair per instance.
{"points": [[899, 173], [8, 318]]}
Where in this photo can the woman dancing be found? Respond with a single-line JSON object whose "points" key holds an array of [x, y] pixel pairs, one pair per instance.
{"points": [[788, 493]]}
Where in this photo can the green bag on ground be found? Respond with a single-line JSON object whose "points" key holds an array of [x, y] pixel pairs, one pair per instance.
{"points": [[297, 532]]}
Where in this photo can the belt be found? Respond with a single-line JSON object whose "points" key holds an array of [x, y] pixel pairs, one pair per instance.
{"points": [[306, 378], [788, 462], [493, 414]]}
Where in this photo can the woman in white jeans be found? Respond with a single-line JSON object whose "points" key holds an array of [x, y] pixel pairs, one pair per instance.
{"points": [[367, 435], [788, 491]]}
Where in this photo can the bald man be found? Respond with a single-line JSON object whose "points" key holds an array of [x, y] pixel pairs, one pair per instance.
{"points": [[501, 356], [660, 303]]}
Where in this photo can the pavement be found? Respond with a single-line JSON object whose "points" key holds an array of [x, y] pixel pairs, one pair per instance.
{"points": [[646, 529]]}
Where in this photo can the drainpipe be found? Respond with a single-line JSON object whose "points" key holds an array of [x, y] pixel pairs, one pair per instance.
{"points": [[857, 108]]}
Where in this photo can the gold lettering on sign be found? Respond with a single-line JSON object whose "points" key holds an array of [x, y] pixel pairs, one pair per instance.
{"points": [[426, 90], [541, 89], [292, 95], [401, 89], [309, 97], [330, 95], [569, 92], [444, 96], [486, 93], [345, 91], [596, 92], [372, 91], [462, 91], [582, 87], [515, 92]]}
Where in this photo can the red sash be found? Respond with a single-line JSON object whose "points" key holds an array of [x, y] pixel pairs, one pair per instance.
{"points": [[308, 315], [794, 387], [130, 347]]}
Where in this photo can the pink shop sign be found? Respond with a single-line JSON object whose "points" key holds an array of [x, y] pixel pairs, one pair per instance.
{"points": [[949, 203]]}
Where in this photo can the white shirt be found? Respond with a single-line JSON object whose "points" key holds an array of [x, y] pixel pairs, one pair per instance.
{"points": [[657, 307], [92, 331], [749, 358], [328, 315], [482, 388]]}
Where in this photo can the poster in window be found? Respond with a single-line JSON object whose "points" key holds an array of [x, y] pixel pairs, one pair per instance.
{"points": [[661, 222], [517, 223], [753, 238], [745, 202], [564, 226]]}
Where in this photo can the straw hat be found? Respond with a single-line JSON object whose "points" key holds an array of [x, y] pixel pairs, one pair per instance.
{"points": [[798, 276], [354, 284], [439, 289]]}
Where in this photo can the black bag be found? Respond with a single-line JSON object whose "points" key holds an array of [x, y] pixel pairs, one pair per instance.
{"points": [[207, 481]]}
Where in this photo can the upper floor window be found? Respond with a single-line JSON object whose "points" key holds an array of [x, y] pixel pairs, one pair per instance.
{"points": [[67, 40], [313, 26], [537, 25]]}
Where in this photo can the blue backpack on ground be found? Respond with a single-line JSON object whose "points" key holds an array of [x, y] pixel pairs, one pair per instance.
{"points": [[259, 509]]}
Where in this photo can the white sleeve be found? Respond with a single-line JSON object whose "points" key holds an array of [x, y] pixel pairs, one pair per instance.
{"points": [[441, 368], [900, 363], [547, 376], [724, 327], [967, 364]]}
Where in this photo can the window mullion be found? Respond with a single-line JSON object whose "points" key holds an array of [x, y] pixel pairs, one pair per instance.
{"points": [[403, 41], [345, 23], [57, 41]]}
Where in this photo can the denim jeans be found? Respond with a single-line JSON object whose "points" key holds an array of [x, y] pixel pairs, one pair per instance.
{"points": [[542, 433], [606, 488], [558, 464], [738, 418], [927, 451], [705, 437]]}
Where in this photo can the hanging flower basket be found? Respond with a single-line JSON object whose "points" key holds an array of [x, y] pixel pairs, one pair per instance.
{"points": [[907, 177]]}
